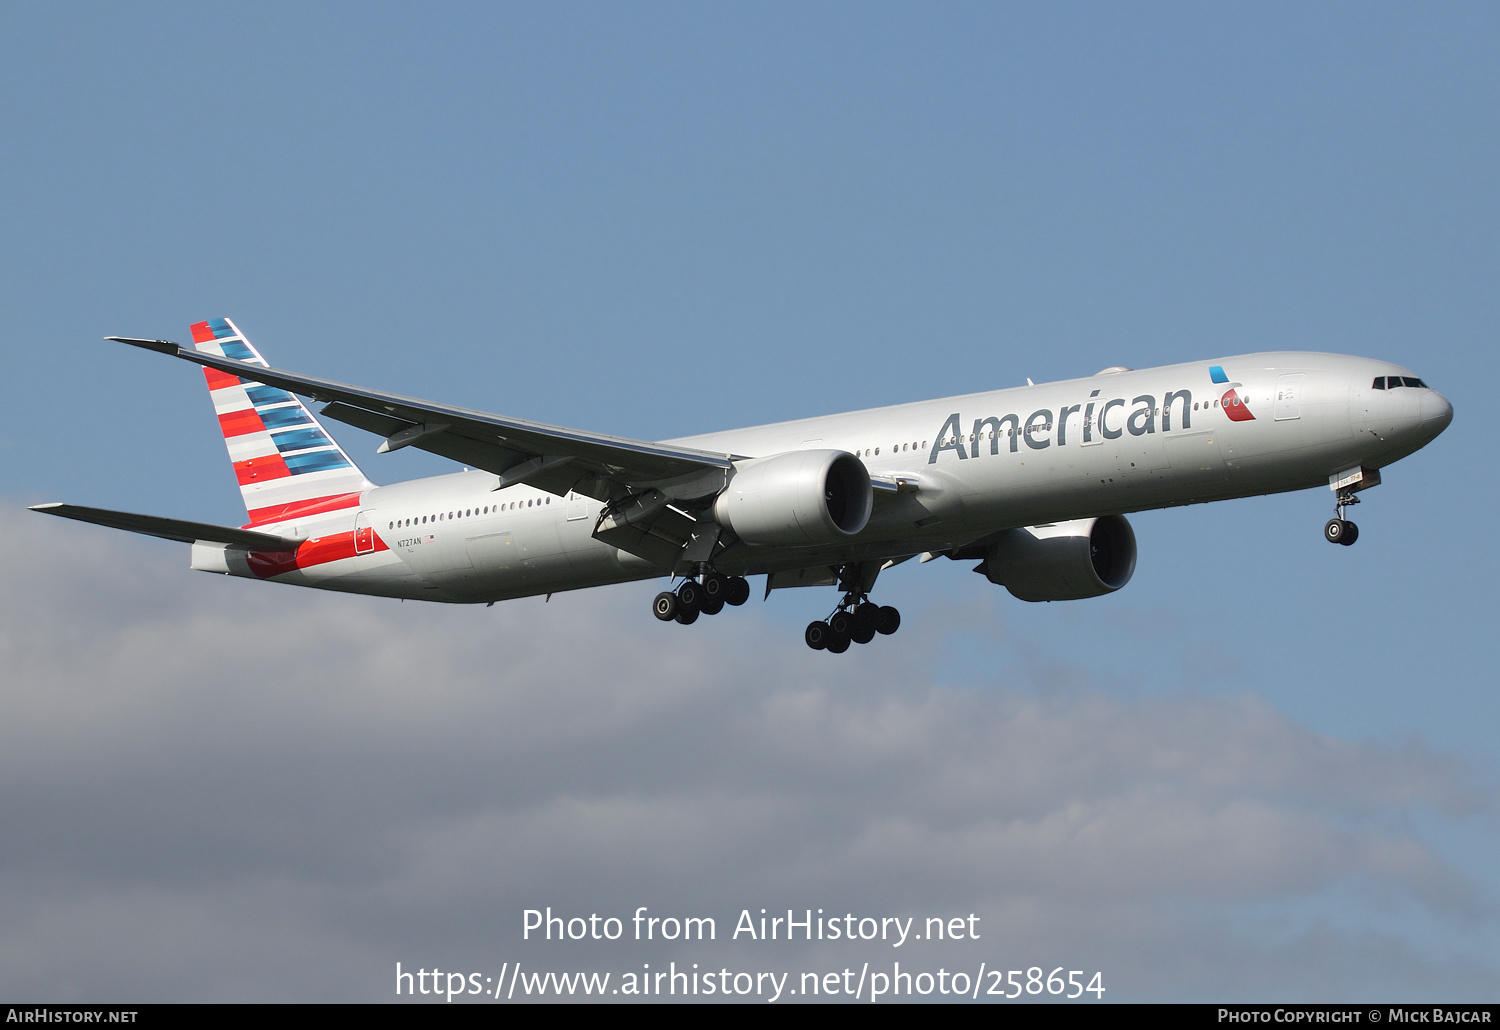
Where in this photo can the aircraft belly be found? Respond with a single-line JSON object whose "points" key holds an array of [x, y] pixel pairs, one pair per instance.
{"points": [[530, 556]]}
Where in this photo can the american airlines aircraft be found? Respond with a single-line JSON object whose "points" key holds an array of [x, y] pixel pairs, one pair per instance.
{"points": [[1032, 483]]}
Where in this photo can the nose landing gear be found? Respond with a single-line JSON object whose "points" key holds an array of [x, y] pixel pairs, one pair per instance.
{"points": [[1339, 530]]}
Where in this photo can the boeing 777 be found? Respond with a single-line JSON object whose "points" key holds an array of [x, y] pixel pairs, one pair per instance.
{"points": [[1033, 483]]}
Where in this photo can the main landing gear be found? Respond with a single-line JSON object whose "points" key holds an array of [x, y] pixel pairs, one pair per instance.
{"points": [[1339, 530], [855, 621], [706, 595]]}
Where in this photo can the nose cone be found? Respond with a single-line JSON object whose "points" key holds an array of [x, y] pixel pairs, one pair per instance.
{"points": [[1436, 412]]}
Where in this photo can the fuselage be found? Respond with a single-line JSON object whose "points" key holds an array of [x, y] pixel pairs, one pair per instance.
{"points": [[1112, 443]]}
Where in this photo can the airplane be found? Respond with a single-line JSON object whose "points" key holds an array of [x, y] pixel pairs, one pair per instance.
{"points": [[1031, 482]]}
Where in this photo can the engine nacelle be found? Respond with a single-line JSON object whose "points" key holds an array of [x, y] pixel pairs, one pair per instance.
{"points": [[797, 498], [1064, 561]]}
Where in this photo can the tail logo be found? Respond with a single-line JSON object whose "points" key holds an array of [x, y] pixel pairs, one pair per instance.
{"points": [[286, 463], [1233, 404]]}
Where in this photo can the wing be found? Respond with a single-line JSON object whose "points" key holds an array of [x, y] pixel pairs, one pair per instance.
{"points": [[550, 458]]}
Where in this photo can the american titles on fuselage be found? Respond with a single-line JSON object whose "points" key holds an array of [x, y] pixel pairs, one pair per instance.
{"points": [[1097, 421]]}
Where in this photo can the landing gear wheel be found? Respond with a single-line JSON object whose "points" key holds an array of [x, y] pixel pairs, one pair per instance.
{"points": [[1334, 530], [866, 619], [842, 624], [1351, 534], [817, 635], [889, 621], [715, 587], [690, 595], [837, 643], [739, 590], [665, 606], [711, 607], [687, 616]]}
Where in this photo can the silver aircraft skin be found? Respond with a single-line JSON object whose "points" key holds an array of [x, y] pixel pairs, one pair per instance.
{"points": [[1031, 482]]}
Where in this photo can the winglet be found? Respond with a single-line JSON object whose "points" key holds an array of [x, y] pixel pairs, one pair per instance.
{"points": [[160, 346]]}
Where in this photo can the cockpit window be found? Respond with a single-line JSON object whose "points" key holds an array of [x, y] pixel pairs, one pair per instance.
{"points": [[1392, 381]]}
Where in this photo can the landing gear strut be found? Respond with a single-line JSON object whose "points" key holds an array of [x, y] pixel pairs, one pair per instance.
{"points": [[1339, 530]]}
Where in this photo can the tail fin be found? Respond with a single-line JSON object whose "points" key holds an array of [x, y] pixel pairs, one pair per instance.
{"points": [[287, 464]]}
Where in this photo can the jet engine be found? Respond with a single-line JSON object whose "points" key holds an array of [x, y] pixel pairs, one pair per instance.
{"points": [[797, 498], [1063, 561]]}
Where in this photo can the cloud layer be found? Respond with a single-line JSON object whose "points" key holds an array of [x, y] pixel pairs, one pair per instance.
{"points": [[224, 790]]}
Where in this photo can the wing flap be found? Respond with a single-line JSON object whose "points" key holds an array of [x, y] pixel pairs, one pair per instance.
{"points": [[171, 529]]}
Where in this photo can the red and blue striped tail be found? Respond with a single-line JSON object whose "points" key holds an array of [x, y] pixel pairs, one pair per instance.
{"points": [[287, 465]]}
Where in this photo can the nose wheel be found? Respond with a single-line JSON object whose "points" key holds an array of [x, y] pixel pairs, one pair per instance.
{"points": [[1339, 530]]}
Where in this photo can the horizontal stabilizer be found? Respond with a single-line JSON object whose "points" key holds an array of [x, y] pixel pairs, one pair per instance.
{"points": [[171, 529]]}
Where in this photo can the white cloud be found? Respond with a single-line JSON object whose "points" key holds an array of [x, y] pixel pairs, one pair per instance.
{"points": [[221, 789]]}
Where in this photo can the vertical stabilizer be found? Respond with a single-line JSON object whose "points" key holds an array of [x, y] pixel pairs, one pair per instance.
{"points": [[286, 463]]}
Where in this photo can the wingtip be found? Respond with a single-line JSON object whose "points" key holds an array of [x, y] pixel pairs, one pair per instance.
{"points": [[160, 346], [46, 507]]}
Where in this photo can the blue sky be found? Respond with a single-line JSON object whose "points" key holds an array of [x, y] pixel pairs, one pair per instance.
{"points": [[658, 220]]}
